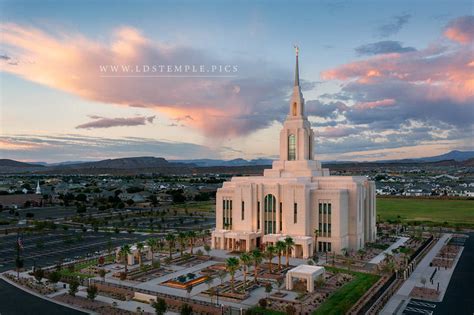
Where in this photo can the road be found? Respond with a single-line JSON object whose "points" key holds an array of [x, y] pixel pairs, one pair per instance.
{"points": [[14, 301]]}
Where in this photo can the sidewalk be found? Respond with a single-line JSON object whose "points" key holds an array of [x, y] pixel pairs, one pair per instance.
{"points": [[377, 259], [423, 270]]}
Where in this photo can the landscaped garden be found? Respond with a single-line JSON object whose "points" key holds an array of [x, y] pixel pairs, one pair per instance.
{"points": [[343, 299]]}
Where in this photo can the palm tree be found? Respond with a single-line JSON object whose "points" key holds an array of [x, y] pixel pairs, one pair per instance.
{"points": [[269, 254], [191, 236], [289, 243], [182, 242], [232, 264], [140, 247], [316, 234], [257, 260], [124, 252], [152, 243], [171, 239], [280, 248], [246, 261]]}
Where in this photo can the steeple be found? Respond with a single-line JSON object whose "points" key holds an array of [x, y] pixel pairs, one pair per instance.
{"points": [[297, 101], [297, 72]]}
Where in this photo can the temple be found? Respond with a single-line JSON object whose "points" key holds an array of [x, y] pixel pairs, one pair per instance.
{"points": [[296, 198]]}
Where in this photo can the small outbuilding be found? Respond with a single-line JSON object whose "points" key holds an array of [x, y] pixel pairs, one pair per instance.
{"points": [[304, 272]]}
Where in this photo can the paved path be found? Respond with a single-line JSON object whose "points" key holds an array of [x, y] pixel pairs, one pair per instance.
{"points": [[423, 270], [377, 259]]}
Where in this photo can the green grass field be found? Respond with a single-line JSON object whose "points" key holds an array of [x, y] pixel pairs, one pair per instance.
{"points": [[343, 299], [437, 211]]}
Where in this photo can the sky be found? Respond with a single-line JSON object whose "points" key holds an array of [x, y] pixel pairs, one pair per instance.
{"points": [[90, 80]]}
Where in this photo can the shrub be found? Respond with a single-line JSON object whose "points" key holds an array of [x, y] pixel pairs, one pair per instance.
{"points": [[92, 292]]}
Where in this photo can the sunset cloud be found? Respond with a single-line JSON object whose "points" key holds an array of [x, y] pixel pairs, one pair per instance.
{"points": [[70, 147], [431, 87], [103, 122], [461, 29], [219, 106]]}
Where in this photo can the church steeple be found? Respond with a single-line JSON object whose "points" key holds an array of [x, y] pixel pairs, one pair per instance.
{"points": [[297, 100], [296, 137], [297, 71]]}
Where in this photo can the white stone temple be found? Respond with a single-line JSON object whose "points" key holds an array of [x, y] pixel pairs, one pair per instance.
{"points": [[296, 198]]}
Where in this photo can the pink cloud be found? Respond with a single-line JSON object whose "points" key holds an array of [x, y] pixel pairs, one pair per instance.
{"points": [[374, 104], [103, 122], [461, 30], [338, 132], [72, 63], [441, 73]]}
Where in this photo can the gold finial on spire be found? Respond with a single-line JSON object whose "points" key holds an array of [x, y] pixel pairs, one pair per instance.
{"points": [[297, 49]]}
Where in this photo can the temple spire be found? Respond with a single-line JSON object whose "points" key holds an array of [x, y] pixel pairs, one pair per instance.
{"points": [[297, 72]]}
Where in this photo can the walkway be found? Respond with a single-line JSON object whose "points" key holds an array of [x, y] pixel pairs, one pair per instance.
{"points": [[423, 270], [377, 259]]}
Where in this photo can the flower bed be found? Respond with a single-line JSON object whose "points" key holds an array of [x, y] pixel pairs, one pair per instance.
{"points": [[185, 281]]}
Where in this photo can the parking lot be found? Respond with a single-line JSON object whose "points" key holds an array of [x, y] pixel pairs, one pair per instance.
{"points": [[48, 248]]}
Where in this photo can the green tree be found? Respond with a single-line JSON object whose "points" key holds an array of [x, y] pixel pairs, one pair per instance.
{"points": [[102, 274], [289, 243], [140, 247], [186, 309], [207, 248], [54, 277], [124, 252], [38, 274], [270, 254], [257, 258], [152, 244], [92, 292], [171, 239], [182, 237], [315, 247], [280, 248], [73, 287], [246, 262], [160, 306], [232, 265]]}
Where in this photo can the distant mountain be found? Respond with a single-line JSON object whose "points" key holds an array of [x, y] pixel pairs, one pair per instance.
{"points": [[234, 162], [12, 166], [453, 155], [13, 163], [121, 163]]}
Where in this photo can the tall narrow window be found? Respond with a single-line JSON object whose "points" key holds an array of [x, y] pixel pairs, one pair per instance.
{"points": [[295, 213], [258, 215], [310, 149], [243, 210], [291, 148], [269, 214], [293, 109], [281, 216]]}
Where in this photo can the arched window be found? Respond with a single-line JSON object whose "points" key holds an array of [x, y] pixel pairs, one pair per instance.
{"points": [[269, 209], [293, 109], [291, 148]]}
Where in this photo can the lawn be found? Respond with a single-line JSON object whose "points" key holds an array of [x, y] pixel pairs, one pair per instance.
{"points": [[343, 299], [82, 265], [444, 211]]}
